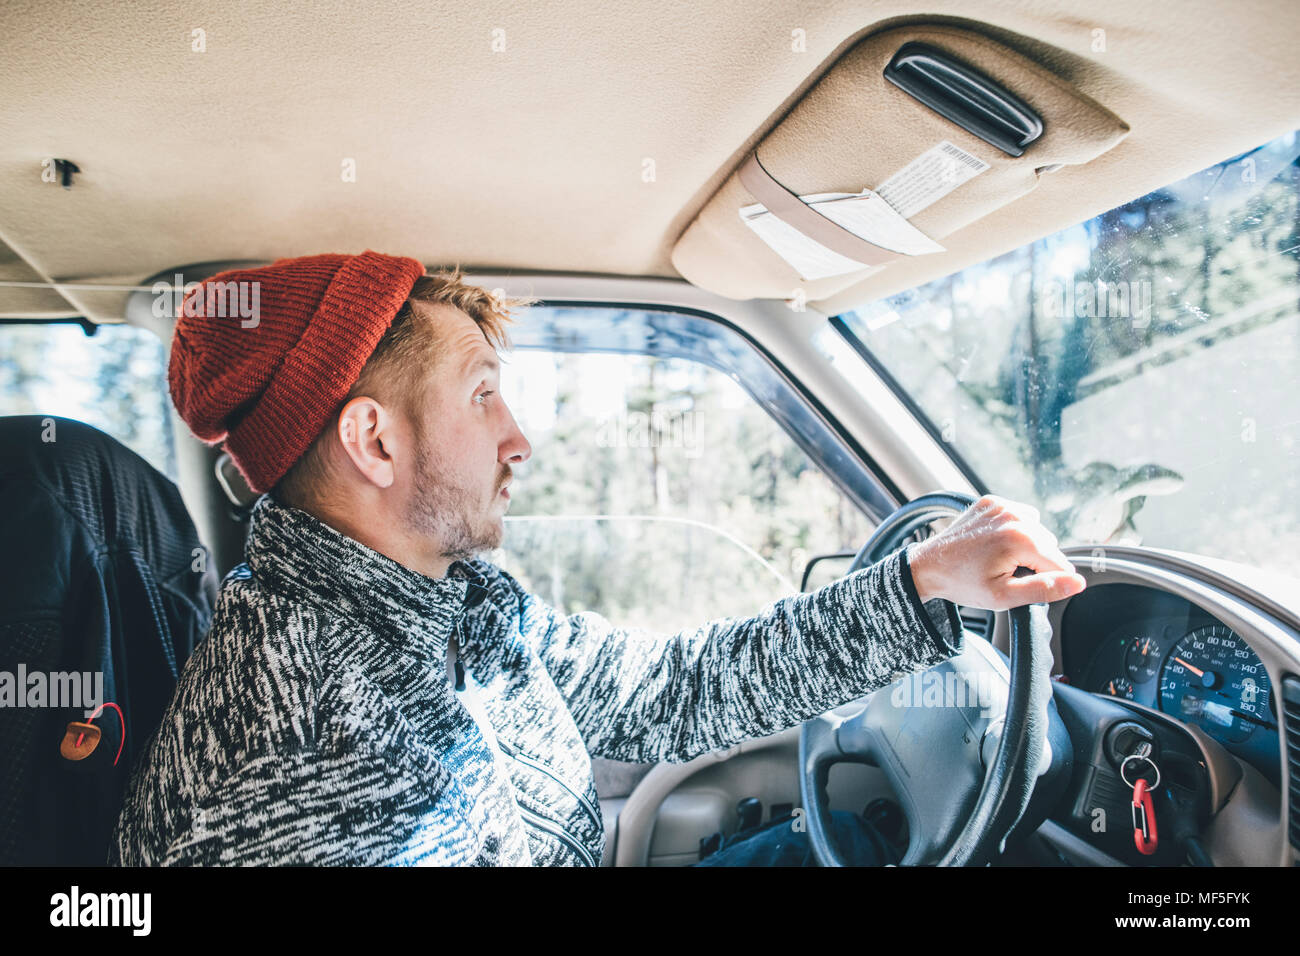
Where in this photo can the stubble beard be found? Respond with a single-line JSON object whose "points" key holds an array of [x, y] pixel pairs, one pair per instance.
{"points": [[451, 513]]}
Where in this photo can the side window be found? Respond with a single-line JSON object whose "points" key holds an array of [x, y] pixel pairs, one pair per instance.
{"points": [[660, 493], [115, 380]]}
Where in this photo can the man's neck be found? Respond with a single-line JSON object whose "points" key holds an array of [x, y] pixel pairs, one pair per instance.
{"points": [[382, 532]]}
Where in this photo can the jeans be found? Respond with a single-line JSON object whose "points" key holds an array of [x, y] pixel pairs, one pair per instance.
{"points": [[778, 843]]}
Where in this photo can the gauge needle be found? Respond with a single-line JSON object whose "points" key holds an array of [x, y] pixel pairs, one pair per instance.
{"points": [[1197, 671]]}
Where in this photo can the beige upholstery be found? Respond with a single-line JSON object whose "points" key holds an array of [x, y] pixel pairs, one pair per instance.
{"points": [[531, 153], [855, 128]]}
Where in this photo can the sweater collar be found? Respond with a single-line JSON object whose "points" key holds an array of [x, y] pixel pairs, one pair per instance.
{"points": [[298, 554]]}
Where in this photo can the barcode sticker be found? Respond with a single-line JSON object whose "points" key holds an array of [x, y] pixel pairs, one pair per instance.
{"points": [[929, 177]]}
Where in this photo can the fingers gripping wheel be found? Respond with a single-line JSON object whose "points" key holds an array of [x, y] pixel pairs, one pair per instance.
{"points": [[964, 771]]}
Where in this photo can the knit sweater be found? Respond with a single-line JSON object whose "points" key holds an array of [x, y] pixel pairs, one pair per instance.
{"points": [[315, 724]]}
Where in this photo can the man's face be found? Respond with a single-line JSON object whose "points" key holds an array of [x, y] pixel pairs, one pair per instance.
{"points": [[466, 443]]}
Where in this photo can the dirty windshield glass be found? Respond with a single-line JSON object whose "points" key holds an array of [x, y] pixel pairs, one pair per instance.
{"points": [[1134, 376]]}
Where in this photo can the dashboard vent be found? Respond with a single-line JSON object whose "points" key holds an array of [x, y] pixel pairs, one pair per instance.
{"points": [[977, 621], [1291, 720]]}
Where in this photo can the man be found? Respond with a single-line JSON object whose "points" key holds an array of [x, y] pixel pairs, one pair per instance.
{"points": [[371, 692]]}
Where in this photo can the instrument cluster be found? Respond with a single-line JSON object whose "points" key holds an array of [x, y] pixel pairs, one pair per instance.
{"points": [[1167, 654]]}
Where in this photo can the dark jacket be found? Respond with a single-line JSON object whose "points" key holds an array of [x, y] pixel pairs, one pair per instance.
{"points": [[317, 724], [101, 571]]}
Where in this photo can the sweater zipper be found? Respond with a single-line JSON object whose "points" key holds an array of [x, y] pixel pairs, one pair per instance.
{"points": [[538, 765], [555, 830], [542, 823]]}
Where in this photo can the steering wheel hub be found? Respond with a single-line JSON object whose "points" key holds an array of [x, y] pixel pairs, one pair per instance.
{"points": [[962, 755]]}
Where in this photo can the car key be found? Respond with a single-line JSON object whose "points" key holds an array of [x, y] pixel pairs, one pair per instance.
{"points": [[1145, 836]]}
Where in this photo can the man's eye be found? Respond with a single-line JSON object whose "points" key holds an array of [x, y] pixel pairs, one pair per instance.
{"points": [[481, 397]]}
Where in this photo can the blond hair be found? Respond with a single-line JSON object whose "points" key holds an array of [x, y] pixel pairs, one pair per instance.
{"points": [[397, 374]]}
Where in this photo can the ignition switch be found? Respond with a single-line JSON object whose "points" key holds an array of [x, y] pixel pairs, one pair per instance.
{"points": [[1124, 739]]}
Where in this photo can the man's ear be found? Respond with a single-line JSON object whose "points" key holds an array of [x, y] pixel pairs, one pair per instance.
{"points": [[367, 433]]}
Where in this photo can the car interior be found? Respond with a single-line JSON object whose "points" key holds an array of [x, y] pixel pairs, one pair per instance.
{"points": [[809, 279]]}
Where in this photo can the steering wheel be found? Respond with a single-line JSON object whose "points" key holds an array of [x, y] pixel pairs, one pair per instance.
{"points": [[935, 757]]}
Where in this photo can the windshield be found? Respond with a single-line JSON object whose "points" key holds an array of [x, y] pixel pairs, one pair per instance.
{"points": [[1135, 376]]}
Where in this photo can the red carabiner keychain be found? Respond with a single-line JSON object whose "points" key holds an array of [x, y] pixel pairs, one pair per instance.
{"points": [[1144, 819]]}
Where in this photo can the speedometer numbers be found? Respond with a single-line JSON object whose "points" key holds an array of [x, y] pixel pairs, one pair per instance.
{"points": [[1212, 679]]}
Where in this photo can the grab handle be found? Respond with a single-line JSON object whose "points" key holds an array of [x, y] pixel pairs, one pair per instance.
{"points": [[967, 98]]}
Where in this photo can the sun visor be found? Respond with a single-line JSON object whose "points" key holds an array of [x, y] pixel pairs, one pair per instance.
{"points": [[913, 134]]}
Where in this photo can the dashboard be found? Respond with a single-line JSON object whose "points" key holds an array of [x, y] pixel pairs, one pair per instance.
{"points": [[1156, 649]]}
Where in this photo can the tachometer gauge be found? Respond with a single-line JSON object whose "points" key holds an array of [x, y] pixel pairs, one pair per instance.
{"points": [[1119, 687], [1142, 659], [1212, 679]]}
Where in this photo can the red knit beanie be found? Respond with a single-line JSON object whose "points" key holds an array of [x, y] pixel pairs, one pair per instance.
{"points": [[267, 380]]}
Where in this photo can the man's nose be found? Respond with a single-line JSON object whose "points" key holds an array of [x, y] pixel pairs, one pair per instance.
{"points": [[515, 449]]}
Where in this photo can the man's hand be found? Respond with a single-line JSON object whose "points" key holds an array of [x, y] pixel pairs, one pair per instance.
{"points": [[973, 560]]}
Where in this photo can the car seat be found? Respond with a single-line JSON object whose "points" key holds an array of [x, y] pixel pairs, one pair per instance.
{"points": [[102, 577]]}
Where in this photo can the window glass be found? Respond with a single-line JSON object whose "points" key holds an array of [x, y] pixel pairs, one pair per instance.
{"points": [[1133, 376], [115, 380], [659, 492]]}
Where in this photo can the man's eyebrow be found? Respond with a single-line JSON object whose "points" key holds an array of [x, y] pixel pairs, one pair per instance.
{"points": [[482, 361]]}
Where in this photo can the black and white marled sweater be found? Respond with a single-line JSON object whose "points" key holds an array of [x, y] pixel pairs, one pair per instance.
{"points": [[316, 722]]}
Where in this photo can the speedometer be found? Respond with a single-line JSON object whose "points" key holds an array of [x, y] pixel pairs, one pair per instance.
{"points": [[1214, 680]]}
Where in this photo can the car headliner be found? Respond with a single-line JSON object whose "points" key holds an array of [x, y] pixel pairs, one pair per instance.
{"points": [[531, 157]]}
